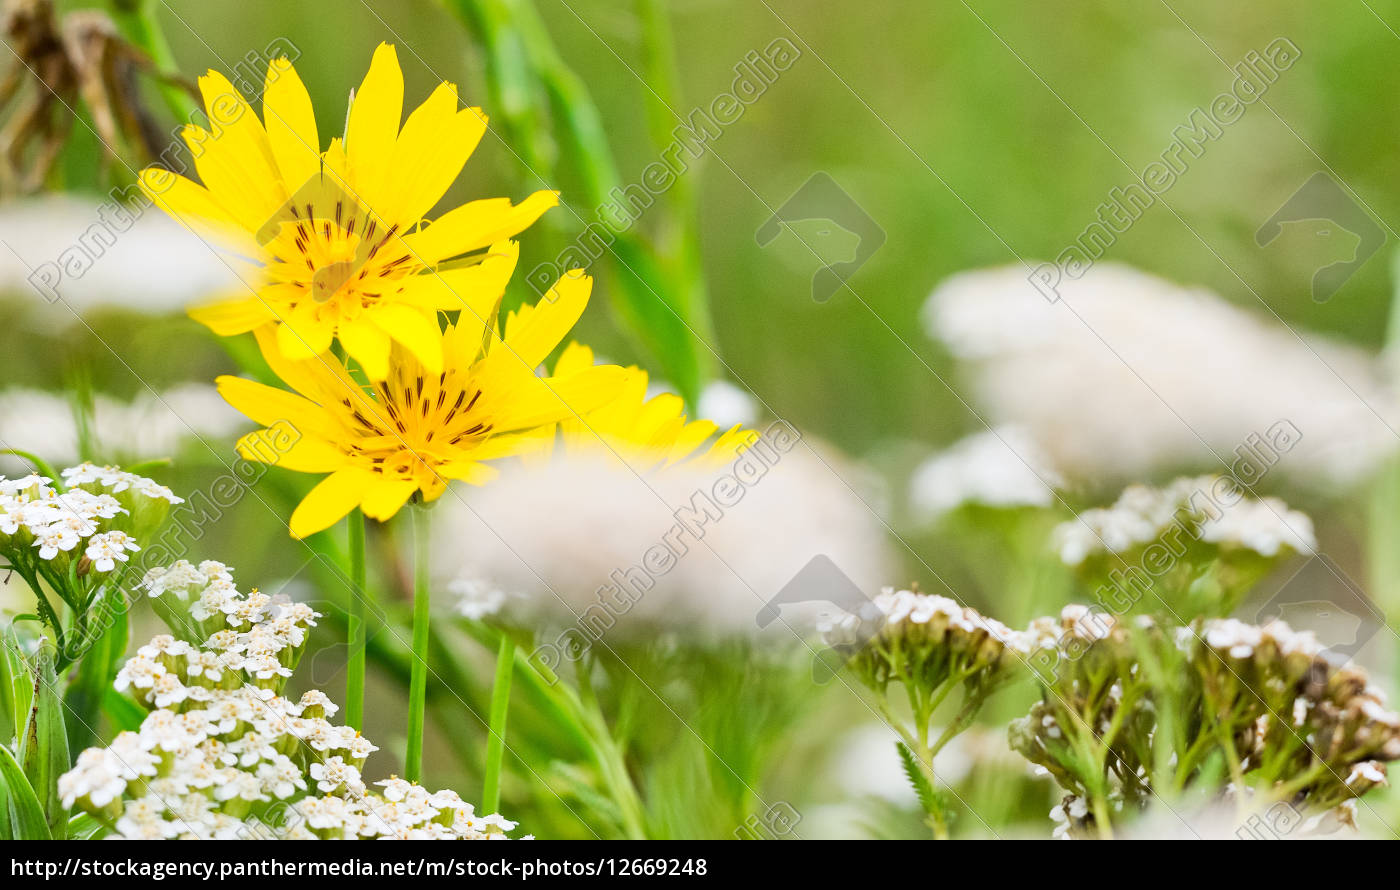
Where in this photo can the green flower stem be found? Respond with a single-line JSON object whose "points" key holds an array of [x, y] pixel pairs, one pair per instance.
{"points": [[355, 625], [418, 668], [917, 743], [1102, 819], [500, 707]]}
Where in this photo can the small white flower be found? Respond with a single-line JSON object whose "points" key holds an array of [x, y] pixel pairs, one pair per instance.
{"points": [[107, 549], [333, 772], [139, 672], [55, 540], [167, 691], [96, 776]]}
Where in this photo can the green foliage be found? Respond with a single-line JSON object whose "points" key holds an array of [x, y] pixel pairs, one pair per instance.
{"points": [[44, 746], [928, 795], [22, 815], [659, 294]]}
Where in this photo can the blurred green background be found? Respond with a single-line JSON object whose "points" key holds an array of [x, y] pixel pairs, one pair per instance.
{"points": [[970, 133]]}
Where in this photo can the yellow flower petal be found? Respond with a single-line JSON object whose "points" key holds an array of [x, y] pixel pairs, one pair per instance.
{"points": [[305, 454], [291, 125], [233, 157], [691, 437], [469, 472], [194, 207], [729, 446], [336, 167], [549, 321], [306, 377], [475, 225], [415, 330], [372, 130], [302, 335], [332, 498], [368, 344], [475, 289], [385, 497], [433, 147], [269, 406], [549, 400], [575, 358], [229, 318]]}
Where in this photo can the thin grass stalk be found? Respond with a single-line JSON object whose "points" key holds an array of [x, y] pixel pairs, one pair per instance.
{"points": [[418, 668], [355, 625]]}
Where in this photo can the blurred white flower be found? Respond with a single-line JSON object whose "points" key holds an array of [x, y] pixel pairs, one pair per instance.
{"points": [[867, 762], [727, 405], [1208, 508], [92, 252], [1128, 373], [994, 468], [720, 401], [149, 426], [477, 598], [592, 544]]}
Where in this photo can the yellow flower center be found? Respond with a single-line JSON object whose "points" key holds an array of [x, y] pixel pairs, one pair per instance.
{"points": [[328, 247], [413, 425]]}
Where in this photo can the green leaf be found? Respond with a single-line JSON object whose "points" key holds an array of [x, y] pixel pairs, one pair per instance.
{"points": [[44, 749], [603, 812], [83, 827], [23, 816], [16, 685], [125, 714], [928, 797], [40, 465], [661, 299], [658, 310]]}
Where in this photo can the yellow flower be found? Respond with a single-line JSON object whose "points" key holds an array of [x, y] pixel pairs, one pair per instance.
{"points": [[646, 433], [336, 241], [418, 428]]}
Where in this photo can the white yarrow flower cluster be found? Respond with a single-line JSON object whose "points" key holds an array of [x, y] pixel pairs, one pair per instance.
{"points": [[927, 640], [224, 755], [1298, 726], [1205, 508], [94, 517]]}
